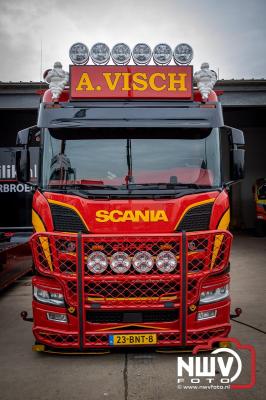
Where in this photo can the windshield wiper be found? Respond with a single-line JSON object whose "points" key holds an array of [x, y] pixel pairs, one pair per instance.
{"points": [[84, 186], [129, 178], [165, 185]]}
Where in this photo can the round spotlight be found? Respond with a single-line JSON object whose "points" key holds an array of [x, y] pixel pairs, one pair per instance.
{"points": [[79, 53], [141, 54], [121, 54], [162, 54], [142, 261], [120, 262], [97, 262], [183, 53], [166, 261], [100, 53], [70, 247], [192, 246]]}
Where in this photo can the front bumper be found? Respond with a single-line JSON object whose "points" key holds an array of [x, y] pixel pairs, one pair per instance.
{"points": [[58, 335]]}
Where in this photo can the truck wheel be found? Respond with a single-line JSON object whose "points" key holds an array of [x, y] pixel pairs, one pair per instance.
{"points": [[259, 229]]}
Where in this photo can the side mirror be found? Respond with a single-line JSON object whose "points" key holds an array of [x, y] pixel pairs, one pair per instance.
{"points": [[237, 155], [237, 164], [23, 165], [26, 136], [236, 143], [236, 137]]}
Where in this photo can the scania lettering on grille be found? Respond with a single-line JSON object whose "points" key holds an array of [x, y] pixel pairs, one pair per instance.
{"points": [[131, 215]]}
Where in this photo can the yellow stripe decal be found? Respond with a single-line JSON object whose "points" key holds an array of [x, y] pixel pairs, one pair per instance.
{"points": [[199, 203], [163, 298], [128, 326], [39, 227], [59, 203], [222, 226], [261, 201]]}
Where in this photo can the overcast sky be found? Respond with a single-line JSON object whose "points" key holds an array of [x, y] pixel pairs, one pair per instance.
{"points": [[229, 34]]}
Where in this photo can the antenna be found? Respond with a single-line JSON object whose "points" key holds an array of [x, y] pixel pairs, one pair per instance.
{"points": [[41, 62]]}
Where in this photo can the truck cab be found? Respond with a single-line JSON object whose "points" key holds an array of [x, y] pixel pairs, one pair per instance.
{"points": [[131, 215]]}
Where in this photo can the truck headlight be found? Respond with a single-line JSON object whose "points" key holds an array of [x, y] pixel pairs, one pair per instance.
{"points": [[142, 261], [47, 297], [210, 296], [166, 261], [97, 262], [120, 262]]}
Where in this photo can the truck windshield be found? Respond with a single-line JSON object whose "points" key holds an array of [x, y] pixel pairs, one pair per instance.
{"points": [[130, 157]]}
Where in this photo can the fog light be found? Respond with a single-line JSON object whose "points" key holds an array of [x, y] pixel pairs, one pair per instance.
{"points": [[120, 262], [97, 262], [192, 245], [166, 261], [56, 317], [69, 247], [206, 315], [218, 294], [142, 261]]}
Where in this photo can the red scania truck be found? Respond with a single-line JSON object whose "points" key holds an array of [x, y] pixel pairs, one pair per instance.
{"points": [[131, 211]]}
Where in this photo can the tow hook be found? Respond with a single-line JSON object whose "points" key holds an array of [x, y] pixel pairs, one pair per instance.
{"points": [[238, 312], [24, 316]]}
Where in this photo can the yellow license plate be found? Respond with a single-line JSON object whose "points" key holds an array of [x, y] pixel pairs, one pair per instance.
{"points": [[132, 340]]}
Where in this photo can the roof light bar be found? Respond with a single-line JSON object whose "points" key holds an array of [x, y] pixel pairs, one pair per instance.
{"points": [[79, 53], [162, 54], [141, 54], [121, 54], [100, 53], [183, 54]]}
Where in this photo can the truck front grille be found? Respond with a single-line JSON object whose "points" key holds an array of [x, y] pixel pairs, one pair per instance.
{"points": [[132, 316], [196, 219], [66, 220]]}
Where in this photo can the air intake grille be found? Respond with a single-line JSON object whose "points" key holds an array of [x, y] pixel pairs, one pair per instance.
{"points": [[196, 219], [132, 316], [66, 220]]}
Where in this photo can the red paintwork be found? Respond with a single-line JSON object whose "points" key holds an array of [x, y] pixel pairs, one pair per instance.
{"points": [[65, 96], [174, 208], [100, 89], [220, 206]]}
